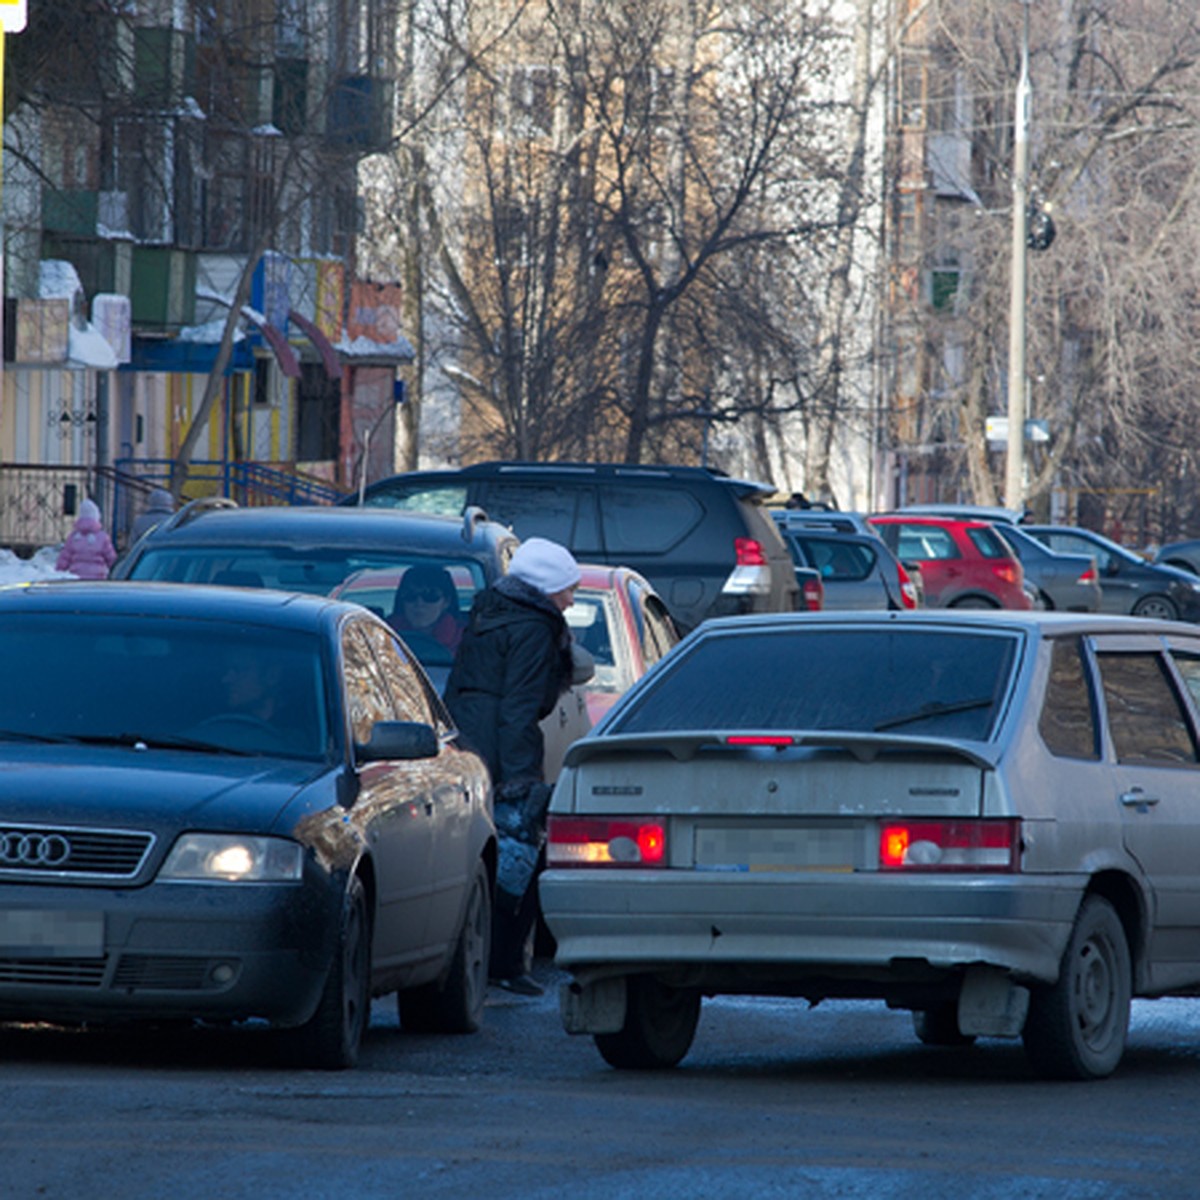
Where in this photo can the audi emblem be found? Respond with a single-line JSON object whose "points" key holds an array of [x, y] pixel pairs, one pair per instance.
{"points": [[33, 849]]}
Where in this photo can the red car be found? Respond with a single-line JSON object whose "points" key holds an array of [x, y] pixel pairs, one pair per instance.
{"points": [[621, 620], [964, 564]]}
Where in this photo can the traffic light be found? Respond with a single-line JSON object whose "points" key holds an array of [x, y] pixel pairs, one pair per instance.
{"points": [[1039, 227]]}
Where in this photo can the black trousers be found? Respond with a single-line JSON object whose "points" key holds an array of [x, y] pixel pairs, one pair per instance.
{"points": [[512, 934]]}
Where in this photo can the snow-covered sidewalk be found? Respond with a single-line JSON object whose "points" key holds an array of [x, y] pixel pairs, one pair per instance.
{"points": [[14, 569]]}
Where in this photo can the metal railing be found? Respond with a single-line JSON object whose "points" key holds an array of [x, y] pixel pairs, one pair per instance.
{"points": [[39, 503]]}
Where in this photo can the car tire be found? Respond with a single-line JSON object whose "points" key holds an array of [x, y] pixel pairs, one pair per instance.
{"points": [[939, 1026], [660, 1024], [331, 1038], [1076, 1028], [973, 602], [455, 1004], [1160, 608]]}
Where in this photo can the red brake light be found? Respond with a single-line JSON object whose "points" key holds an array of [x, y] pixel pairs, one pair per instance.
{"points": [[908, 589], [1089, 576], [605, 842], [814, 595], [760, 739], [1006, 571], [749, 552], [950, 845]]}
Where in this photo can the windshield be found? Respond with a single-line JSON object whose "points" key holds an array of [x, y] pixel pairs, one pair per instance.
{"points": [[906, 680], [201, 685], [370, 578]]}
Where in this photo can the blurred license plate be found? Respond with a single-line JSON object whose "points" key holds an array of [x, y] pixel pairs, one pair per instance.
{"points": [[794, 849], [34, 934]]}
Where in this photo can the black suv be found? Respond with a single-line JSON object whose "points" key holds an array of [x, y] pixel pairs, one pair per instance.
{"points": [[705, 541]]}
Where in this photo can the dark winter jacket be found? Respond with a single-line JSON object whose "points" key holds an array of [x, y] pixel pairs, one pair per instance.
{"points": [[511, 667]]}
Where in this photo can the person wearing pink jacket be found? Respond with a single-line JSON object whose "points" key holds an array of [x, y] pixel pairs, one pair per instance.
{"points": [[88, 551]]}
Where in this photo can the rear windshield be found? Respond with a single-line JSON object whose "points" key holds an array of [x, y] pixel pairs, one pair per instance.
{"points": [[908, 681]]}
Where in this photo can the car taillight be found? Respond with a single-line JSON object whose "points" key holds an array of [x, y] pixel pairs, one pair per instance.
{"points": [[950, 845], [813, 591], [908, 589], [605, 842], [749, 552], [1089, 576], [1009, 572]]}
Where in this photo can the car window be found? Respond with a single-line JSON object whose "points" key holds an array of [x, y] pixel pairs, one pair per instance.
{"points": [[1069, 543], [647, 521], [367, 696], [1188, 666], [1068, 721], [660, 632], [907, 681], [240, 687], [410, 696], [564, 513], [989, 543], [924, 542], [839, 561], [1146, 719], [314, 571], [447, 499]]}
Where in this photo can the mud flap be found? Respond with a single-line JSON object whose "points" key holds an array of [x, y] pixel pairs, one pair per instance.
{"points": [[597, 1007], [990, 1004]]}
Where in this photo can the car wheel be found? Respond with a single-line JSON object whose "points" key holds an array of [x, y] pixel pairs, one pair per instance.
{"points": [[455, 1004], [973, 602], [660, 1023], [1076, 1028], [1158, 607], [939, 1026], [331, 1038]]}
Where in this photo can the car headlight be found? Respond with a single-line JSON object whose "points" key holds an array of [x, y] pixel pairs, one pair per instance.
{"points": [[233, 858]]}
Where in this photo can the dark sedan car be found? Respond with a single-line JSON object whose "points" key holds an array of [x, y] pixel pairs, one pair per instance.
{"points": [[1128, 583], [226, 805]]}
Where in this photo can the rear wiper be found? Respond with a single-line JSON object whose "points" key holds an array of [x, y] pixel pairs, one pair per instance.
{"points": [[935, 708]]}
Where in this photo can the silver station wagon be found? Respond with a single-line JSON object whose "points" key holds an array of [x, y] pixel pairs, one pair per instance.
{"points": [[992, 820]]}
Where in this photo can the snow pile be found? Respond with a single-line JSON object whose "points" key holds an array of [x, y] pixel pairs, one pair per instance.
{"points": [[14, 569]]}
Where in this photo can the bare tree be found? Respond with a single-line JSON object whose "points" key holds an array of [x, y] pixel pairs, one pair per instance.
{"points": [[1111, 323]]}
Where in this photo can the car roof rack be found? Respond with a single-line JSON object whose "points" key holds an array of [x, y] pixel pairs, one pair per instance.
{"points": [[473, 516], [197, 508]]}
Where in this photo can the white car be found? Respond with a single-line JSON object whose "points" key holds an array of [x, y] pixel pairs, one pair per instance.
{"points": [[989, 819]]}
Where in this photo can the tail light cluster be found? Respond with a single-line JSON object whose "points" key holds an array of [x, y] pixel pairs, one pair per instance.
{"points": [[1009, 572], [908, 589], [749, 552], [950, 845], [908, 846], [606, 842], [812, 593]]}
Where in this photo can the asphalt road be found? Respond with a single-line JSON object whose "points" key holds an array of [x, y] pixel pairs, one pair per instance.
{"points": [[774, 1100]]}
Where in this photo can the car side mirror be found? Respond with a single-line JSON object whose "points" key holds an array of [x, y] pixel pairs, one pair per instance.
{"points": [[398, 740]]}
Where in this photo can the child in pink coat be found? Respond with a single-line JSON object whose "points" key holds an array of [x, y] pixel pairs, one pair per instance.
{"points": [[88, 551]]}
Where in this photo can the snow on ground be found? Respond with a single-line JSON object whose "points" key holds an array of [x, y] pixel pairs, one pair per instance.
{"points": [[14, 569]]}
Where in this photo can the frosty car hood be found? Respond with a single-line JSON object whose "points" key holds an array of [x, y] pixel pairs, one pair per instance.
{"points": [[149, 789]]}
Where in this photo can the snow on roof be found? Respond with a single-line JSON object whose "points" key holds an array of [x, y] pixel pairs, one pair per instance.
{"points": [[364, 347], [58, 280]]}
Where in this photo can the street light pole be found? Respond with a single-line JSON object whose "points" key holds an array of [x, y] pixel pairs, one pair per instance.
{"points": [[1014, 477]]}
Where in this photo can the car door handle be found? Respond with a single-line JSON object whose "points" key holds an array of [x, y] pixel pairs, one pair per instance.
{"points": [[1136, 798]]}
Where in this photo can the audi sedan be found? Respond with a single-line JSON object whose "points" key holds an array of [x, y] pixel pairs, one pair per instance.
{"points": [[988, 819], [228, 805]]}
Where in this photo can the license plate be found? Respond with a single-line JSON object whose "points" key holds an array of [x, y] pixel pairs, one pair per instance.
{"points": [[776, 849], [42, 934]]}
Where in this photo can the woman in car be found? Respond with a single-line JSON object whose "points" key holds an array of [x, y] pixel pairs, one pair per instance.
{"points": [[426, 606]]}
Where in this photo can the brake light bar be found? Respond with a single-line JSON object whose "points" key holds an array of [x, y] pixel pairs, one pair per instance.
{"points": [[605, 842], [951, 845], [760, 739]]}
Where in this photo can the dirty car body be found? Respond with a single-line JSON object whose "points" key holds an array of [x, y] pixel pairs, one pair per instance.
{"points": [[986, 819], [168, 851]]}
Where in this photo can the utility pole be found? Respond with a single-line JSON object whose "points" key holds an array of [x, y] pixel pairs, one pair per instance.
{"points": [[1014, 476]]}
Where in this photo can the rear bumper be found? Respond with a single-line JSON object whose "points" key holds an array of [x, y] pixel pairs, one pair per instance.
{"points": [[853, 934]]}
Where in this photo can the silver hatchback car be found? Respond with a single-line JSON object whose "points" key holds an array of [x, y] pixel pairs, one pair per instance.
{"points": [[989, 819]]}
